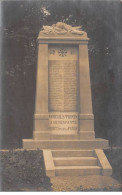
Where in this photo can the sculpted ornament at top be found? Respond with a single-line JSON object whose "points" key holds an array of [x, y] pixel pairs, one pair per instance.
{"points": [[62, 28]]}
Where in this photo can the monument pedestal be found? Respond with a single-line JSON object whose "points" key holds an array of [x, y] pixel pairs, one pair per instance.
{"points": [[63, 119]]}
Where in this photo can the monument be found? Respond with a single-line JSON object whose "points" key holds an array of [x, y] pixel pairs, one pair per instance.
{"points": [[63, 119]]}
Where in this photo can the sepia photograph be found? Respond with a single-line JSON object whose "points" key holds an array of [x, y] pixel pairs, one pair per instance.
{"points": [[61, 96]]}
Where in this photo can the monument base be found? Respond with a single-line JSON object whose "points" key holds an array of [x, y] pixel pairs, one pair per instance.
{"points": [[53, 135], [71, 155], [70, 144]]}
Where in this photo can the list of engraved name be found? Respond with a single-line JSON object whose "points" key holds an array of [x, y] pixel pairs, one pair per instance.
{"points": [[63, 88]]}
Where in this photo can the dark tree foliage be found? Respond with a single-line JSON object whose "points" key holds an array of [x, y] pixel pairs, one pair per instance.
{"points": [[22, 21]]}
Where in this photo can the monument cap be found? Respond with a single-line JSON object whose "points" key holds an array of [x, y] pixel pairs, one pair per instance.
{"points": [[61, 32]]}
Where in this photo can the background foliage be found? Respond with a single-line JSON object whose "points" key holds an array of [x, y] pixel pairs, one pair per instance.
{"points": [[21, 23]]}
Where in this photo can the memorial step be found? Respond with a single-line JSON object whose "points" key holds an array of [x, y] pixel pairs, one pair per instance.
{"points": [[75, 161], [72, 153], [77, 170], [72, 144]]}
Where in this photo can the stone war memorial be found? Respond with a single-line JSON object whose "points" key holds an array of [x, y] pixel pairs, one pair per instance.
{"points": [[63, 118]]}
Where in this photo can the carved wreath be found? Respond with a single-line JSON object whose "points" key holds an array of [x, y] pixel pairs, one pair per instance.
{"points": [[62, 28]]}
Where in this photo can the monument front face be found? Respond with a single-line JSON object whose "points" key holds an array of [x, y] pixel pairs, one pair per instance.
{"points": [[63, 92], [63, 87]]}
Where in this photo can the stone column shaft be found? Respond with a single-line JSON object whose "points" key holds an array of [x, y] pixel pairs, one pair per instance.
{"points": [[86, 114], [41, 106]]}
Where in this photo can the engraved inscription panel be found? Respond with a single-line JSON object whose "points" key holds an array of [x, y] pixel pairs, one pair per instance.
{"points": [[63, 88], [63, 79], [63, 121]]}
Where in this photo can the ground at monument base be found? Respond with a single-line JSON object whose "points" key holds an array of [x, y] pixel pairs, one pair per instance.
{"points": [[85, 183], [23, 170]]}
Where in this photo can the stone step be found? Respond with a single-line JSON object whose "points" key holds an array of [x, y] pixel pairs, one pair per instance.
{"points": [[77, 170], [75, 161], [52, 144], [72, 153]]}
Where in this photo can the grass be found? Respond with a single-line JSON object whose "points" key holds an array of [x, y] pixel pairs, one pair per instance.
{"points": [[23, 170]]}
